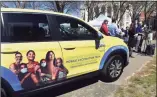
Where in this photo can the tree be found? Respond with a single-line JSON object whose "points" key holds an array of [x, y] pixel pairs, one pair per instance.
{"points": [[156, 18], [89, 5], [135, 8], [96, 10], [122, 11], [58, 6], [63, 6], [150, 9], [119, 7], [21, 4], [103, 9], [93, 8], [2, 4]]}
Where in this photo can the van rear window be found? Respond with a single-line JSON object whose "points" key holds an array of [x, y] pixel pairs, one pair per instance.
{"points": [[23, 27]]}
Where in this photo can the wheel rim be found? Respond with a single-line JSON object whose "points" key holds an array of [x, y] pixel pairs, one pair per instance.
{"points": [[115, 68]]}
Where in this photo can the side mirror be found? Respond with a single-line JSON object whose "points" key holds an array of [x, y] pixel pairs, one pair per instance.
{"points": [[100, 36], [97, 42]]}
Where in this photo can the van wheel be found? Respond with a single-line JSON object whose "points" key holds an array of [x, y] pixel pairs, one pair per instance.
{"points": [[113, 69], [3, 92]]}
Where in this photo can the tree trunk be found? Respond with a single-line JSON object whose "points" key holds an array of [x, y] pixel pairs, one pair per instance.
{"points": [[33, 5], [88, 14], [156, 18], [145, 12], [58, 6]]}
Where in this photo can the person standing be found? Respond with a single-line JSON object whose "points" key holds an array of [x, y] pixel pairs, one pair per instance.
{"points": [[113, 29], [104, 28], [120, 33], [131, 39], [126, 35], [139, 36]]}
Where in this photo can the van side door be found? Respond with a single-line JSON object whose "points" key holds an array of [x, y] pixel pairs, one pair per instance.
{"points": [[28, 50], [80, 46]]}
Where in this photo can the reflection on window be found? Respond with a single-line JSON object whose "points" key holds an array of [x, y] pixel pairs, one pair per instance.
{"points": [[76, 31], [26, 27], [46, 28]]}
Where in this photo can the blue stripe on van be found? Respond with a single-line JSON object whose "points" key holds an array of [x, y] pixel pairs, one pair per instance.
{"points": [[109, 51], [11, 78]]}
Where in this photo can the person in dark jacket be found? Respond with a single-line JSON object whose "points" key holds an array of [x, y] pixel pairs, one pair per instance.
{"points": [[126, 35], [131, 40]]}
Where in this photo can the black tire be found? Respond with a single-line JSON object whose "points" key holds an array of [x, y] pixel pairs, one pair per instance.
{"points": [[111, 62], [3, 92]]}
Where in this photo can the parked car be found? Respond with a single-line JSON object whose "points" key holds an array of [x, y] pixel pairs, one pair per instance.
{"points": [[44, 49]]}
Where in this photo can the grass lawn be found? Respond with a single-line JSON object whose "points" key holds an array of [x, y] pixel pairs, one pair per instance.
{"points": [[142, 84]]}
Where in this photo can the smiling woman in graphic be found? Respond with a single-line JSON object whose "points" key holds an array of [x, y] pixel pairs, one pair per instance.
{"points": [[60, 71], [33, 66], [50, 60]]}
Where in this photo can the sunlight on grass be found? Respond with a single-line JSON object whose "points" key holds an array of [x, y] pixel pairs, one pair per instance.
{"points": [[142, 84]]}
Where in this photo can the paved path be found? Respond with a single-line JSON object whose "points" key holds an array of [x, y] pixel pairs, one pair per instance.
{"points": [[93, 87]]}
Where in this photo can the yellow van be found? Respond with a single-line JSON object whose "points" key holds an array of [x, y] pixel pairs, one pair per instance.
{"points": [[40, 49]]}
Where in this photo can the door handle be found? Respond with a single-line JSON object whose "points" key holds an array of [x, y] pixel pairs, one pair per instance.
{"points": [[69, 48], [9, 52]]}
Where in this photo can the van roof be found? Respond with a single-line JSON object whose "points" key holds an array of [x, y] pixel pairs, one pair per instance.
{"points": [[33, 11], [39, 11]]}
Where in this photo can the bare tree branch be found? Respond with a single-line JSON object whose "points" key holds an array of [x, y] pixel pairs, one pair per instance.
{"points": [[150, 13], [137, 8], [123, 14], [24, 4], [120, 7], [16, 5], [130, 12], [151, 7], [3, 4]]}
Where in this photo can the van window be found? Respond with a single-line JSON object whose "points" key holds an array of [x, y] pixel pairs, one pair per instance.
{"points": [[1, 29], [73, 29], [25, 27]]}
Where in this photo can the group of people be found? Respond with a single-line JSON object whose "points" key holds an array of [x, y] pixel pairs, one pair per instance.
{"points": [[33, 74], [133, 36], [110, 30]]}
